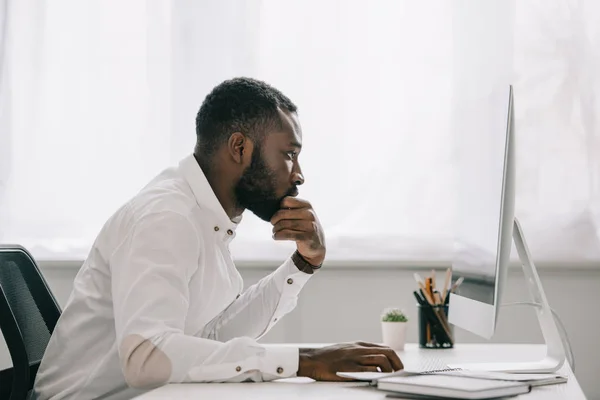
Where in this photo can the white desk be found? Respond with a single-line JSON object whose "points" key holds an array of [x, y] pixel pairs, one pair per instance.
{"points": [[302, 388]]}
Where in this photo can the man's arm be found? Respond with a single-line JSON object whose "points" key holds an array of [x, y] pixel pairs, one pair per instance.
{"points": [[150, 275], [261, 306]]}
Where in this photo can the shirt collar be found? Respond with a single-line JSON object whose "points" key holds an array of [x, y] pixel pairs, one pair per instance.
{"points": [[205, 196]]}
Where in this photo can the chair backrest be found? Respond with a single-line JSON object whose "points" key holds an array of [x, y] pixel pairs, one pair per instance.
{"points": [[28, 315]]}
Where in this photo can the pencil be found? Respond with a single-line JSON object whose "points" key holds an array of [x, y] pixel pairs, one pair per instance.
{"points": [[432, 290], [426, 294], [428, 333], [456, 284], [446, 284], [418, 278]]}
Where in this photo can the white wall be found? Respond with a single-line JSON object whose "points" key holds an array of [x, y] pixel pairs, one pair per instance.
{"points": [[343, 304]]}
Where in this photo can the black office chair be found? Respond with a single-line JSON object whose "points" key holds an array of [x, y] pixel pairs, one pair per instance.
{"points": [[28, 315]]}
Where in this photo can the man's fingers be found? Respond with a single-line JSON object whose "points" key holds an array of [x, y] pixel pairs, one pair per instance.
{"points": [[294, 202], [394, 359], [290, 234], [385, 351], [294, 213], [367, 344], [294, 224], [376, 360]]}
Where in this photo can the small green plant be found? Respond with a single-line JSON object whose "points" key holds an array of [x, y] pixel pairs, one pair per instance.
{"points": [[393, 315]]}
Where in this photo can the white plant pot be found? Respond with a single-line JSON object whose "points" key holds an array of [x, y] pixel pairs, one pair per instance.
{"points": [[394, 334]]}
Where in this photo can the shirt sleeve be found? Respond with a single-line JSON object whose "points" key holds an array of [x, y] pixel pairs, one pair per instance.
{"points": [[151, 271], [261, 306]]}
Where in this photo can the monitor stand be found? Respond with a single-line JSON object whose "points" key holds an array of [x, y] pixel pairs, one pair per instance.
{"points": [[555, 353]]}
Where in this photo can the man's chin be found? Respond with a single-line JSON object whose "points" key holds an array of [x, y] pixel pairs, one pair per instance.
{"points": [[265, 211]]}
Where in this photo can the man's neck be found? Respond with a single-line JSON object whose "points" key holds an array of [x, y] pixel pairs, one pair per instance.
{"points": [[223, 189]]}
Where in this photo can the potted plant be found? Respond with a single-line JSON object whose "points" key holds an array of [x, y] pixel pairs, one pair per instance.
{"points": [[393, 326]]}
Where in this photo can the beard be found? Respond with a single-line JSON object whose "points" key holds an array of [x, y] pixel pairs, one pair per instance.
{"points": [[255, 190]]}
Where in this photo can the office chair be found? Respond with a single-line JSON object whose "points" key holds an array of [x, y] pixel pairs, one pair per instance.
{"points": [[28, 315]]}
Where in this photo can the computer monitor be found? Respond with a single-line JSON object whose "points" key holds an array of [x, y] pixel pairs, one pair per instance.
{"points": [[486, 228]]}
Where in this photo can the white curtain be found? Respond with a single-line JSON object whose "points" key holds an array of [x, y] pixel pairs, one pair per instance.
{"points": [[556, 60], [99, 96]]}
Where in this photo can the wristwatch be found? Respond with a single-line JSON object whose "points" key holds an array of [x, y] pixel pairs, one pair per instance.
{"points": [[302, 264]]}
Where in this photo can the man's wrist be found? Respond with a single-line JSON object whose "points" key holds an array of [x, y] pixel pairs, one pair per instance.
{"points": [[302, 264], [305, 364]]}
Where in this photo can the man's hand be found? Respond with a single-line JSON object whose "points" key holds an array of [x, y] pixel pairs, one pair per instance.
{"points": [[297, 221], [323, 364]]}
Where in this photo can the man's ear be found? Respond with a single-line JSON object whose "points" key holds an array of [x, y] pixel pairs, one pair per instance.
{"points": [[240, 147]]}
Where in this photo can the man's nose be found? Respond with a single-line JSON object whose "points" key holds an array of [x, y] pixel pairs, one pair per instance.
{"points": [[297, 178]]}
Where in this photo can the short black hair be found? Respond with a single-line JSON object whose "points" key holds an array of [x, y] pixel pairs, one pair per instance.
{"points": [[240, 104]]}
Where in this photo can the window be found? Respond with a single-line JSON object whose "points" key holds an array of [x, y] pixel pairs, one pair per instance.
{"points": [[98, 97]]}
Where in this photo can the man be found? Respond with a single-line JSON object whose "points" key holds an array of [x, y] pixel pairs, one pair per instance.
{"points": [[159, 299]]}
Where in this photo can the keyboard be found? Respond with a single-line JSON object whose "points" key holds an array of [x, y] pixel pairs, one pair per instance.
{"points": [[419, 363], [424, 362]]}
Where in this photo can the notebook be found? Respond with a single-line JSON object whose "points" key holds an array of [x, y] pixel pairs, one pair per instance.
{"points": [[530, 379], [452, 387]]}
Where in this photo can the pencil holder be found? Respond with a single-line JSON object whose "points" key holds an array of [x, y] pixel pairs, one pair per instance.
{"points": [[434, 330]]}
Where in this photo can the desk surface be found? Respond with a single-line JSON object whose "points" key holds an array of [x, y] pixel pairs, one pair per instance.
{"points": [[302, 388]]}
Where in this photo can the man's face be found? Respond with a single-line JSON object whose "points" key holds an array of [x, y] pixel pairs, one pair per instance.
{"points": [[274, 172]]}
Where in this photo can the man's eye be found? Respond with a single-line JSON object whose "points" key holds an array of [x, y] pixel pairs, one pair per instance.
{"points": [[292, 154]]}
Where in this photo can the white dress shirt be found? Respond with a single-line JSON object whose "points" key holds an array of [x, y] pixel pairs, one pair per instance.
{"points": [[159, 300]]}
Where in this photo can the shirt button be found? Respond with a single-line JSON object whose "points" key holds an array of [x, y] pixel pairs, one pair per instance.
{"points": [[290, 281], [274, 319], [279, 370], [237, 297], [229, 232], [238, 368], [216, 228]]}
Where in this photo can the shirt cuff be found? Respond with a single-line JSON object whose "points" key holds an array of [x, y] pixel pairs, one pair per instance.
{"points": [[289, 279], [280, 362]]}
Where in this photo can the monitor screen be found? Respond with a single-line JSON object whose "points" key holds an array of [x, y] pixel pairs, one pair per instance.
{"points": [[481, 151]]}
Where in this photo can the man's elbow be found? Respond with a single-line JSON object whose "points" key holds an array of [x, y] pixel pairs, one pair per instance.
{"points": [[144, 365]]}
